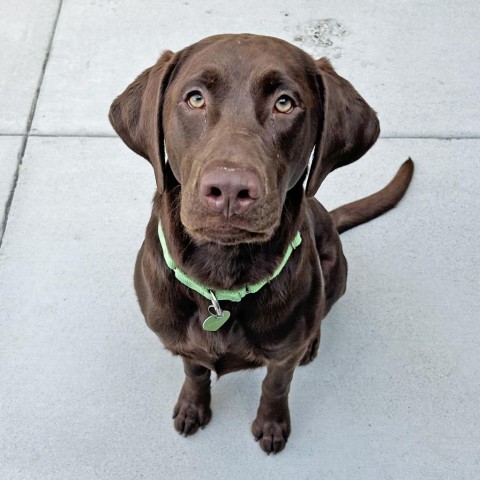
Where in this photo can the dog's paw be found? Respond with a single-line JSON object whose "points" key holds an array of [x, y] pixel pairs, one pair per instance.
{"points": [[311, 352], [272, 436], [189, 416]]}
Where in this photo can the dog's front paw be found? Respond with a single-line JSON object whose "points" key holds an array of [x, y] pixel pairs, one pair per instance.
{"points": [[272, 435], [189, 416]]}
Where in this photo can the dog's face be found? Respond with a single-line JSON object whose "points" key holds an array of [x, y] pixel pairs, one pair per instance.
{"points": [[240, 120], [240, 115]]}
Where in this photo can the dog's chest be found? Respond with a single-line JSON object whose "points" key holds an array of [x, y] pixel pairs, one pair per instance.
{"points": [[223, 351]]}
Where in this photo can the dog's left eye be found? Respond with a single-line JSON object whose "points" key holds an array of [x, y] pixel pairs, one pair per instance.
{"points": [[284, 104], [196, 100]]}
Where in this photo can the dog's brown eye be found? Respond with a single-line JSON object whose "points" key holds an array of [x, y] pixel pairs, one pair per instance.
{"points": [[196, 100], [284, 104]]}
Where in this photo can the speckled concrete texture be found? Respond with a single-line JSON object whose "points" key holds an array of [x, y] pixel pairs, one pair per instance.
{"points": [[26, 27], [413, 61], [87, 390]]}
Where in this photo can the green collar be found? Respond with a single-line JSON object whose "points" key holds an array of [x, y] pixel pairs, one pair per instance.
{"points": [[229, 295]]}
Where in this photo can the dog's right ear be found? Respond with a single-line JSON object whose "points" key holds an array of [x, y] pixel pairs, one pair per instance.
{"points": [[136, 114]]}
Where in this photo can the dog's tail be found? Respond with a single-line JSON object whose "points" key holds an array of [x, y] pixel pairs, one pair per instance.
{"points": [[366, 209]]}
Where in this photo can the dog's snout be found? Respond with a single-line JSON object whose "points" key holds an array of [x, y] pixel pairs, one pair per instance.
{"points": [[231, 192]]}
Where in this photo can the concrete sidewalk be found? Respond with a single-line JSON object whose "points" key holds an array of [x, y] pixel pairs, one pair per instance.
{"points": [[86, 390]]}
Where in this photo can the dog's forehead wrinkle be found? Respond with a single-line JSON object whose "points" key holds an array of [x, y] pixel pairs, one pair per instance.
{"points": [[238, 56]]}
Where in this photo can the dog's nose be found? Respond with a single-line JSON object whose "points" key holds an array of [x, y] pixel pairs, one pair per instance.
{"points": [[231, 192]]}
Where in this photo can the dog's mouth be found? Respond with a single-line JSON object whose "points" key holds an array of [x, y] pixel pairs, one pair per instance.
{"points": [[227, 234], [257, 225]]}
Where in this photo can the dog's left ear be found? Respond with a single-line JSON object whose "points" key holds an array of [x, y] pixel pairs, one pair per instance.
{"points": [[349, 126], [136, 114]]}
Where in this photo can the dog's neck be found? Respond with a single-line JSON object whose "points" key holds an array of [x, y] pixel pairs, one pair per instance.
{"points": [[226, 266]]}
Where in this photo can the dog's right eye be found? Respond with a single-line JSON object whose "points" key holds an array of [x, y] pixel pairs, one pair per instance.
{"points": [[284, 104], [196, 100]]}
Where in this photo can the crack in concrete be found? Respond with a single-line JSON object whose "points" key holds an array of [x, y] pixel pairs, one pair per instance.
{"points": [[26, 135], [404, 136]]}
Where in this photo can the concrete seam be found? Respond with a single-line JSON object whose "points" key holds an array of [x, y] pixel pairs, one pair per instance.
{"points": [[383, 137], [26, 135], [108, 135]]}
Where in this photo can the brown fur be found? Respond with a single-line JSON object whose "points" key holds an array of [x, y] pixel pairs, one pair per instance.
{"points": [[240, 78]]}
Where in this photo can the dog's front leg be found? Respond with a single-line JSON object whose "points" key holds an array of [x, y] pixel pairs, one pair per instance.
{"points": [[272, 425], [193, 406]]}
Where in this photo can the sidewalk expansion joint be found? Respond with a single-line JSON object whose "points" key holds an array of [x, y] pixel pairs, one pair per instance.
{"points": [[23, 146], [407, 136]]}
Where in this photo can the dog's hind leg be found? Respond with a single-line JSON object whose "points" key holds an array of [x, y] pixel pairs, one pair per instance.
{"points": [[312, 350]]}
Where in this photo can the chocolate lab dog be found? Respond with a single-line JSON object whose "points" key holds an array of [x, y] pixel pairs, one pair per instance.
{"points": [[240, 262]]}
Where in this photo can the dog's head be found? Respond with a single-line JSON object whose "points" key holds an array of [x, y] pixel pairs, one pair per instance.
{"points": [[239, 116]]}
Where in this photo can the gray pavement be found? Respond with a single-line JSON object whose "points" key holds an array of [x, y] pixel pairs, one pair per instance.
{"points": [[86, 390]]}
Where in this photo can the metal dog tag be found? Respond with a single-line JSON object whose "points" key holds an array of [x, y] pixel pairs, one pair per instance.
{"points": [[218, 316], [214, 322]]}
